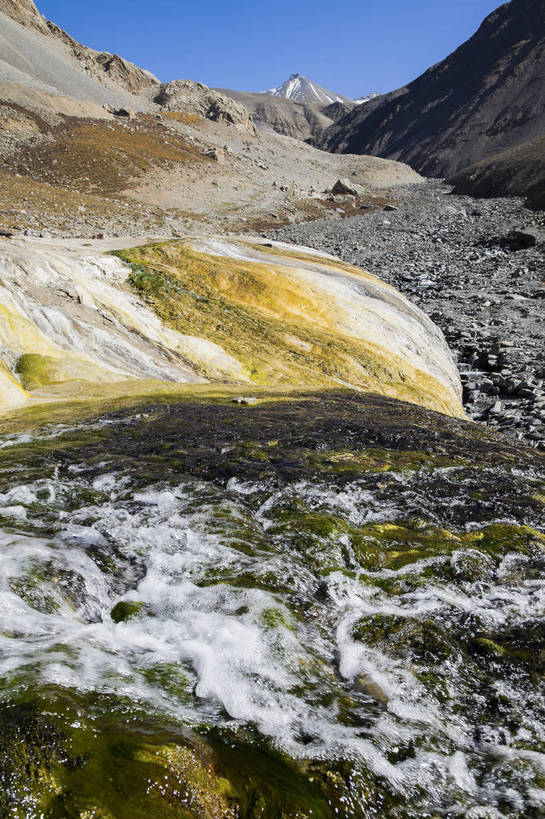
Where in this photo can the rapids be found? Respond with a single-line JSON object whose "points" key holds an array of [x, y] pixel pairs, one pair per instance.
{"points": [[385, 621]]}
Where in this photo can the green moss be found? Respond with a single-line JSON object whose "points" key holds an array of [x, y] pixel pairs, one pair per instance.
{"points": [[422, 640], [373, 459], [33, 752], [169, 678], [69, 756], [258, 314], [500, 539], [396, 545], [274, 619], [522, 645], [37, 371], [126, 610]]}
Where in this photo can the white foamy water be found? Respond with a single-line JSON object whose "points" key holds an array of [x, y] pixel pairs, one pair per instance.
{"points": [[239, 625]]}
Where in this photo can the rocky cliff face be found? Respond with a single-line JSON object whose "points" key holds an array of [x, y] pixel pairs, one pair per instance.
{"points": [[25, 13], [488, 96]]}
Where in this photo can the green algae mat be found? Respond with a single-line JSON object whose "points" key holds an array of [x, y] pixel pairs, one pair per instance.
{"points": [[320, 605]]}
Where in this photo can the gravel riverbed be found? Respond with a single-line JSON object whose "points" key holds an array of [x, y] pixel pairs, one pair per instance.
{"points": [[459, 260]]}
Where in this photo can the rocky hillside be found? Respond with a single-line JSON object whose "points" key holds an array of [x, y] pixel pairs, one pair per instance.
{"points": [[519, 171], [93, 145], [453, 116], [25, 13], [108, 69], [303, 121]]}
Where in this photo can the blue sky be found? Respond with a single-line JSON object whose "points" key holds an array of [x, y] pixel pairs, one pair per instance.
{"points": [[349, 46]]}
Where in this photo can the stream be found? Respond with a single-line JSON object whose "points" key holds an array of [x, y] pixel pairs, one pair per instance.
{"points": [[367, 620]]}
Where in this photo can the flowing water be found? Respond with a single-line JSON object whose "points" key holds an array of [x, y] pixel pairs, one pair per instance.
{"points": [[378, 627]]}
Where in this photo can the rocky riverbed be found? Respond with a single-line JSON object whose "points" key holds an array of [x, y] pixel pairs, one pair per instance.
{"points": [[483, 284]]}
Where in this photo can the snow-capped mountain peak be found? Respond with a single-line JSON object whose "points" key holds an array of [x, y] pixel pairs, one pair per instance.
{"points": [[300, 89]]}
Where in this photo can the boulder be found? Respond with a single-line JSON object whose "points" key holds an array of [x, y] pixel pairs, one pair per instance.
{"points": [[126, 113], [217, 154], [345, 186]]}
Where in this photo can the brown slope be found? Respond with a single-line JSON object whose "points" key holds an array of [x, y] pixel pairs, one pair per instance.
{"points": [[488, 96]]}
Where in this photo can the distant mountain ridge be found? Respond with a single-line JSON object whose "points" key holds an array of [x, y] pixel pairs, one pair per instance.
{"points": [[367, 98], [299, 88], [488, 96]]}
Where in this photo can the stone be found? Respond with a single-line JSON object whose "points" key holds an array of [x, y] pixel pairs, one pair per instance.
{"points": [[217, 154], [244, 400], [126, 610], [195, 98], [126, 113], [345, 186]]}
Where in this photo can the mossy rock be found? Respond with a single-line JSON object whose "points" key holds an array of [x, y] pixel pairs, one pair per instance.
{"points": [[395, 545], [273, 619], [404, 637], [35, 370], [126, 610], [522, 645], [48, 586], [258, 313], [68, 756], [169, 678], [32, 753]]}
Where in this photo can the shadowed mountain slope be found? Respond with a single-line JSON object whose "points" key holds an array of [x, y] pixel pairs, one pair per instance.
{"points": [[519, 171], [486, 97]]}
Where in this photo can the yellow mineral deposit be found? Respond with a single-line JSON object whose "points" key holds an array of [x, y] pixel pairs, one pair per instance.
{"points": [[212, 309]]}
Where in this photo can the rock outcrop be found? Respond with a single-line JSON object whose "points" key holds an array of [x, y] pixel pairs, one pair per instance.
{"points": [[25, 13], [452, 116], [276, 315], [195, 98]]}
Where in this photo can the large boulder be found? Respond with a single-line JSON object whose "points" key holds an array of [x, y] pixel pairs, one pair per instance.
{"points": [[343, 187]]}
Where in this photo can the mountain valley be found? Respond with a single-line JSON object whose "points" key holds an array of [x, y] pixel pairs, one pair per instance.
{"points": [[272, 435]]}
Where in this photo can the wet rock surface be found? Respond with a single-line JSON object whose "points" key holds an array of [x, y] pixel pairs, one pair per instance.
{"points": [[477, 267], [324, 604]]}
